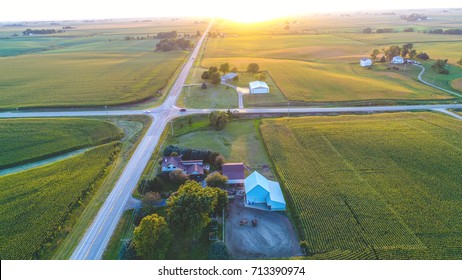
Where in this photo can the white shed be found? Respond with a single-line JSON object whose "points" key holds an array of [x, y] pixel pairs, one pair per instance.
{"points": [[365, 62], [397, 60], [258, 87], [259, 190]]}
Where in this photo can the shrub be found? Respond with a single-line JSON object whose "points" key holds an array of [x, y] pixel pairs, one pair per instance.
{"points": [[218, 251], [177, 176], [215, 179]]}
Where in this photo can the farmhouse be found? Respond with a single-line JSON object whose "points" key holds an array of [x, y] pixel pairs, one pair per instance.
{"points": [[228, 77], [195, 169], [365, 62], [234, 172], [259, 190], [258, 87], [397, 60]]}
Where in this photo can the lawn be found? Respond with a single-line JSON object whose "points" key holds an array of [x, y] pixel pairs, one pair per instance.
{"points": [[383, 186], [214, 96], [92, 65], [35, 203], [28, 140]]}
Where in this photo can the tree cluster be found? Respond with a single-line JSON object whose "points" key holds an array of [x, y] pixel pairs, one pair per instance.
{"points": [[212, 74], [28, 32], [453, 31], [218, 119], [192, 154], [173, 44], [152, 238], [440, 66], [407, 50], [414, 17], [167, 35], [253, 68], [384, 30]]}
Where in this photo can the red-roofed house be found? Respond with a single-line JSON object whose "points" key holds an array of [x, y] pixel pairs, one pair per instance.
{"points": [[234, 172], [193, 168]]}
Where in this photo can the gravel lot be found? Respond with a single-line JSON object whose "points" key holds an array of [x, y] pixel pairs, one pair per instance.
{"points": [[273, 237]]}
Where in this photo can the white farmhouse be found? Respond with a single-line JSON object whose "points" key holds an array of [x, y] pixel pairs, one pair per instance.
{"points": [[263, 192], [397, 60], [258, 87], [365, 62]]}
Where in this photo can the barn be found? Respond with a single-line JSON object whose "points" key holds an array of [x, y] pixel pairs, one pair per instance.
{"points": [[258, 87], [260, 191]]}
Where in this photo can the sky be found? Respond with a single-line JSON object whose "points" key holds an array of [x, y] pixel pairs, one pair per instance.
{"points": [[240, 10]]}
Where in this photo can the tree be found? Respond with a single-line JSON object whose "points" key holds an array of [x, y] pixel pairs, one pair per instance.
{"points": [[374, 54], [423, 56], [218, 120], [218, 251], [215, 179], [391, 52], [406, 49], [367, 30], [177, 176], [189, 208], [412, 54], [224, 67], [439, 66], [215, 78], [253, 68], [204, 86], [234, 70], [383, 59], [460, 61], [219, 161], [205, 75], [198, 33], [127, 252], [213, 69], [152, 238]]}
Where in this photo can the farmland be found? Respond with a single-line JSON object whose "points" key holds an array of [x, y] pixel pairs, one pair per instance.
{"points": [[214, 96], [127, 71], [35, 203], [28, 140], [317, 60], [383, 186]]}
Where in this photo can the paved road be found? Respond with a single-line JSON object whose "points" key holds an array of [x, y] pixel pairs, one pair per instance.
{"points": [[96, 238]]}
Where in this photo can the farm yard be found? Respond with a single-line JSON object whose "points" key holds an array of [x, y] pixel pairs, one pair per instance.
{"points": [[127, 71], [383, 186]]}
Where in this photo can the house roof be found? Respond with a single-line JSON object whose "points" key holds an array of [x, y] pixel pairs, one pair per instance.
{"points": [[195, 168], [234, 171], [254, 180], [189, 166], [171, 160], [276, 192], [365, 59], [258, 84], [229, 76]]}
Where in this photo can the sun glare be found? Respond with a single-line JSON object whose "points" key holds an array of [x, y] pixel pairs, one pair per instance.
{"points": [[252, 13]]}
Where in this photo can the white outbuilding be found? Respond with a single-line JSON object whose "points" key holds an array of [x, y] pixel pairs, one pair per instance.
{"points": [[397, 60], [258, 87], [365, 62], [264, 192]]}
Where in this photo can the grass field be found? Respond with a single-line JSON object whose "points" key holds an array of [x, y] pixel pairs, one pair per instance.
{"points": [[214, 96], [90, 66], [35, 203], [383, 186], [28, 140]]}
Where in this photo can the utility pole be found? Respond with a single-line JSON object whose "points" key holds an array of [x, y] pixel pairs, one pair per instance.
{"points": [[171, 126], [288, 104]]}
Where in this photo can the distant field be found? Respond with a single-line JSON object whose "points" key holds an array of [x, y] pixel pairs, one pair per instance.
{"points": [[27, 140], [35, 203], [321, 82], [317, 59], [90, 66], [370, 186]]}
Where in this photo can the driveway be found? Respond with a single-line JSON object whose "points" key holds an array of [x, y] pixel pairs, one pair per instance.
{"points": [[273, 237]]}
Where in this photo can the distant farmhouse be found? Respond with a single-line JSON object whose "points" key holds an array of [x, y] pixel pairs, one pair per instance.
{"points": [[397, 60], [365, 62], [262, 192], [258, 87], [195, 169], [235, 173], [228, 77]]}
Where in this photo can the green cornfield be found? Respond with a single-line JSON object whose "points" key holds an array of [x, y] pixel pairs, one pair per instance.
{"points": [[385, 186]]}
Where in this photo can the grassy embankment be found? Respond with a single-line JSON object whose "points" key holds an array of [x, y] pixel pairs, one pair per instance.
{"points": [[128, 71], [382, 186]]}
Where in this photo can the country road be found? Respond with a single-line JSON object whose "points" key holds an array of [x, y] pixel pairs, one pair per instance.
{"points": [[96, 238]]}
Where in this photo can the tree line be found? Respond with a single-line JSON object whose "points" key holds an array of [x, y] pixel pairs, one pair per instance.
{"points": [[29, 31]]}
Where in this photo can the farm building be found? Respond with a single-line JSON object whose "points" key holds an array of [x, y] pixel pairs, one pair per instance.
{"points": [[193, 168], [365, 62], [259, 190], [234, 172], [228, 77], [397, 60], [258, 87]]}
